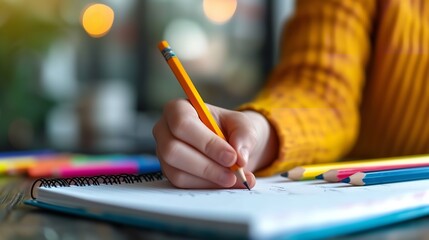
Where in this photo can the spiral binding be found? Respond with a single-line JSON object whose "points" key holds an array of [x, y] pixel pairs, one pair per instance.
{"points": [[168, 53], [95, 180]]}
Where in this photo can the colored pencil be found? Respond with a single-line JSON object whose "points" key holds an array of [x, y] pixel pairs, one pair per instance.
{"points": [[195, 99], [388, 176], [336, 175], [106, 168], [16, 165], [78, 165], [22, 163], [308, 172], [26, 153], [45, 167], [13, 163]]}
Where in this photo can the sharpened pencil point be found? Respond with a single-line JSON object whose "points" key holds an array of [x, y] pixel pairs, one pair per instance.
{"points": [[346, 180], [320, 176], [284, 174], [247, 185]]}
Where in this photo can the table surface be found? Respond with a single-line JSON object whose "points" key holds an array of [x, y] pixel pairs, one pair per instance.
{"points": [[19, 221]]}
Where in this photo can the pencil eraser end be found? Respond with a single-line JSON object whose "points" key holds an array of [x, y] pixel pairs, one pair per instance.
{"points": [[162, 45]]}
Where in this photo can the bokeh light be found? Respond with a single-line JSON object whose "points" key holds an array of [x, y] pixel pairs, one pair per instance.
{"points": [[187, 38], [97, 19], [219, 11]]}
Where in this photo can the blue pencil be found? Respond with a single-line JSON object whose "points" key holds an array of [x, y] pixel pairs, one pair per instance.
{"points": [[28, 153], [320, 176], [388, 176]]}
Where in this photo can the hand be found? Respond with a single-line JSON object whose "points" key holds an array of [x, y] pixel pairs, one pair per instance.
{"points": [[192, 156]]}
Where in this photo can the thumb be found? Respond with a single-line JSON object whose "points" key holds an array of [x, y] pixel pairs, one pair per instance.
{"points": [[241, 134]]}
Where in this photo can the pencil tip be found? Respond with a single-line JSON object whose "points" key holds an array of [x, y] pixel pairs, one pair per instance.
{"points": [[247, 185], [285, 174], [346, 180], [320, 176]]}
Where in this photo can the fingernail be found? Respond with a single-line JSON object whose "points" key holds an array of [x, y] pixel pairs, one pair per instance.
{"points": [[244, 152], [227, 158]]}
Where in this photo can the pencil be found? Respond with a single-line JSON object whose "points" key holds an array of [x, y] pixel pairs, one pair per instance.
{"points": [[388, 176], [195, 99], [16, 165], [336, 175], [105, 168], [307, 172], [30, 153], [64, 165]]}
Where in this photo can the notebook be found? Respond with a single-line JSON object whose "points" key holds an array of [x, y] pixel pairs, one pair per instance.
{"points": [[275, 207]]}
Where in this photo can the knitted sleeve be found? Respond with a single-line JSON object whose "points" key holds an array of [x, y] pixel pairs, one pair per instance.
{"points": [[312, 97]]}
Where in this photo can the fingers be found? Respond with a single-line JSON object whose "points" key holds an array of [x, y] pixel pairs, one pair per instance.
{"points": [[192, 156], [185, 125], [182, 179], [185, 159], [185, 180]]}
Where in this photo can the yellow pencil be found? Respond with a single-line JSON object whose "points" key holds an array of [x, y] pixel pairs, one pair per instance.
{"points": [[311, 171], [195, 99], [16, 165]]}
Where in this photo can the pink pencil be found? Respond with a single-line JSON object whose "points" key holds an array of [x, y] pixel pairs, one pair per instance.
{"points": [[105, 168], [336, 175]]}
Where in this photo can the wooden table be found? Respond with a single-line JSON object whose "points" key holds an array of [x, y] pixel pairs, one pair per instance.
{"points": [[19, 221]]}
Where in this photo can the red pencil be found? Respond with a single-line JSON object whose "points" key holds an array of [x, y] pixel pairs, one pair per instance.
{"points": [[336, 175]]}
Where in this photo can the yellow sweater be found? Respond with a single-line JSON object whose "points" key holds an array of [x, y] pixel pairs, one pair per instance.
{"points": [[353, 80]]}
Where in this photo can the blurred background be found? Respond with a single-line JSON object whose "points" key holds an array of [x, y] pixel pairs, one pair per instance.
{"points": [[87, 76]]}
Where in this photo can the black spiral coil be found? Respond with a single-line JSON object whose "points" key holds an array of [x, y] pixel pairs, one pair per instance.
{"points": [[95, 180]]}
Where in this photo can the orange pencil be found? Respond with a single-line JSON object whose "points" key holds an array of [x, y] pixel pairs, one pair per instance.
{"points": [[195, 99], [45, 167]]}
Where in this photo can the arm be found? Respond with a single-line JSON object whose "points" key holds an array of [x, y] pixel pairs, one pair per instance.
{"points": [[312, 98], [307, 112]]}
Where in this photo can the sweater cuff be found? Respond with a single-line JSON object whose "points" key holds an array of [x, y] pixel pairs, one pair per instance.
{"points": [[294, 146]]}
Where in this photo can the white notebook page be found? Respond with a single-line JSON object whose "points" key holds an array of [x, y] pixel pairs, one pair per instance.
{"points": [[274, 205]]}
